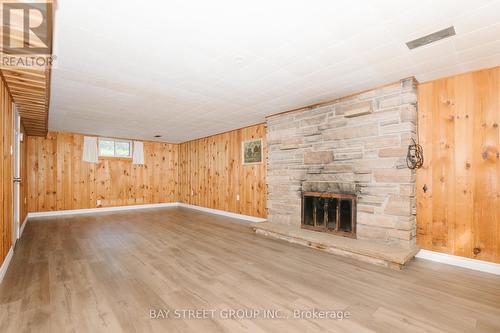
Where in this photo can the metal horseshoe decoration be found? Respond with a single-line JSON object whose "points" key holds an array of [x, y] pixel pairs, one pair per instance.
{"points": [[415, 156]]}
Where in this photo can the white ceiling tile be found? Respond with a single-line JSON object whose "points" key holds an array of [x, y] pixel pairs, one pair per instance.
{"points": [[479, 17], [184, 69], [477, 37], [303, 66], [436, 64], [384, 52], [479, 51], [393, 65], [486, 61]]}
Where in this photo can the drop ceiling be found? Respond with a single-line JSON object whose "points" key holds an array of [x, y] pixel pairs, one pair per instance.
{"points": [[188, 69]]}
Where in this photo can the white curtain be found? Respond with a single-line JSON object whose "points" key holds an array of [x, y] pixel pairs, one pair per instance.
{"points": [[90, 153], [138, 153]]}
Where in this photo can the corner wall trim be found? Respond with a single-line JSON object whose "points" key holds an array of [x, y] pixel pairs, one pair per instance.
{"points": [[6, 262], [21, 230], [474, 264], [101, 210], [224, 213]]}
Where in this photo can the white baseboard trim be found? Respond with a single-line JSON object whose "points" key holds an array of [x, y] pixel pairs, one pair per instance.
{"points": [[101, 210], [224, 213], [21, 230], [477, 265], [6, 262], [161, 205]]}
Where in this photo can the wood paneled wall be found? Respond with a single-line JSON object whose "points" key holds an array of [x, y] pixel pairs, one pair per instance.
{"points": [[211, 173], [206, 172], [459, 120], [60, 180], [6, 170]]}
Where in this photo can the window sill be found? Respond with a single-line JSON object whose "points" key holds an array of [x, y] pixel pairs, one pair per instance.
{"points": [[113, 158]]}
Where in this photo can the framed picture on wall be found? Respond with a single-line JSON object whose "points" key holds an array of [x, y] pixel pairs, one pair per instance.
{"points": [[251, 151]]}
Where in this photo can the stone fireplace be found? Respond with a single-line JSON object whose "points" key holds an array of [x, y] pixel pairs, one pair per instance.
{"points": [[355, 146]]}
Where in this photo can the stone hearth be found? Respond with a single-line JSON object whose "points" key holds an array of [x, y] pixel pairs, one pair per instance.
{"points": [[373, 252], [356, 145]]}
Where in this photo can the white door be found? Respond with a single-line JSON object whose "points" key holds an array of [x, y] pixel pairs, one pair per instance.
{"points": [[17, 173]]}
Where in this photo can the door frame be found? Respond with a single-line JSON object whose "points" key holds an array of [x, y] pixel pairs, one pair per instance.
{"points": [[16, 163]]}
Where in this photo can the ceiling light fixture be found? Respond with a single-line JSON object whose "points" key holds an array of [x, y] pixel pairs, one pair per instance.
{"points": [[434, 37]]}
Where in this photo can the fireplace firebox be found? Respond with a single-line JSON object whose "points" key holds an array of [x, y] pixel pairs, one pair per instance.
{"points": [[329, 212]]}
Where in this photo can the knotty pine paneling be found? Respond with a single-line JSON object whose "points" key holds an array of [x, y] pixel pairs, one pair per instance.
{"points": [[211, 173], [459, 121], [58, 179], [6, 171]]}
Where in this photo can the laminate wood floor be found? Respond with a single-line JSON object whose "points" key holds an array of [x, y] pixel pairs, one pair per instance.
{"points": [[105, 272]]}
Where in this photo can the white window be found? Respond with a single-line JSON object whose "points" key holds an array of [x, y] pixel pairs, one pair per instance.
{"points": [[115, 148]]}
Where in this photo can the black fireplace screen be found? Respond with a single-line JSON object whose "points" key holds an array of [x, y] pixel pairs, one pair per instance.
{"points": [[329, 212]]}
